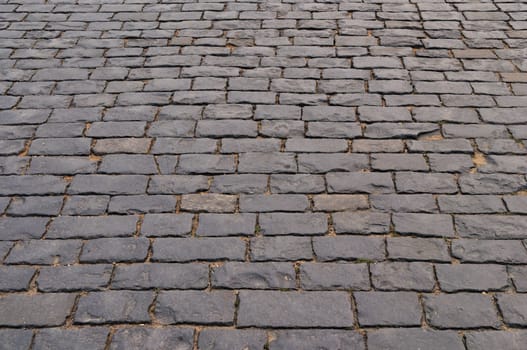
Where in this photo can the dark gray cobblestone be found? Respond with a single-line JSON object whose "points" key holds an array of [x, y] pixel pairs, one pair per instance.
{"points": [[272, 175]]}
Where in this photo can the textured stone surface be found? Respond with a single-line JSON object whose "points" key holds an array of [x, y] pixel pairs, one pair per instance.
{"points": [[399, 339], [213, 174], [457, 311], [83, 338], [40, 310], [197, 307], [152, 338], [307, 309], [388, 309], [220, 339], [114, 307], [321, 339]]}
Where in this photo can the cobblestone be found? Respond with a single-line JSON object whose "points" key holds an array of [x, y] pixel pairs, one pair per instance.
{"points": [[263, 175]]}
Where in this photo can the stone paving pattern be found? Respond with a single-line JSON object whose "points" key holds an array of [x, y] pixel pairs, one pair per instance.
{"points": [[296, 174]]}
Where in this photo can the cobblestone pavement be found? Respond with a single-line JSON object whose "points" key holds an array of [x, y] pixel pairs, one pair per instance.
{"points": [[263, 174]]}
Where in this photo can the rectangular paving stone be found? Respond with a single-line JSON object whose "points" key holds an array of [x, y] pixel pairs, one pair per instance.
{"points": [[61, 165], [297, 309], [359, 183], [60, 146], [480, 251], [348, 248], [467, 204], [85, 205], [243, 183], [324, 163], [159, 225], [491, 339], [195, 307], [334, 276], [280, 248], [114, 307], [408, 162], [208, 202], [226, 224], [412, 182], [234, 275], [273, 202], [518, 275], [513, 309], [395, 276], [32, 185], [139, 204], [60, 130], [462, 310], [92, 226], [12, 228], [491, 226], [402, 338], [404, 202], [193, 249], [12, 165], [109, 250], [93, 338], [16, 338], [267, 163], [339, 202], [127, 164], [122, 145], [15, 278], [226, 339], [491, 183], [472, 277], [41, 310], [388, 308], [427, 225], [206, 164], [292, 223], [108, 184], [333, 339], [74, 278], [177, 184], [142, 337], [116, 129], [45, 252], [164, 276], [361, 222], [243, 145]]}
